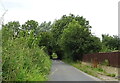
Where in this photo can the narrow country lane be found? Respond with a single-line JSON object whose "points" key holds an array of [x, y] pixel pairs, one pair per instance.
{"points": [[64, 72]]}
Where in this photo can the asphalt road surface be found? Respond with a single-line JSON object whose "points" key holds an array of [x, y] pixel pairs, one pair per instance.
{"points": [[63, 72]]}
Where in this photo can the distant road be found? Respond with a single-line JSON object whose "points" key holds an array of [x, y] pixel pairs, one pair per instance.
{"points": [[64, 72]]}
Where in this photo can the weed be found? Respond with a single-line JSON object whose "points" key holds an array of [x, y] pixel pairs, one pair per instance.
{"points": [[106, 62], [111, 75]]}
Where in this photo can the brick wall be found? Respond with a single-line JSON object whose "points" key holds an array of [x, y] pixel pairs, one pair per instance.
{"points": [[112, 57]]}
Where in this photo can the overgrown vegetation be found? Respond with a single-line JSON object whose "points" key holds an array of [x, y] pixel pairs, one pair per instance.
{"points": [[110, 43], [91, 70], [22, 58]]}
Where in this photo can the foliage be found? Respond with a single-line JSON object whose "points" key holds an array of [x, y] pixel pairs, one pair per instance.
{"points": [[45, 27], [46, 40], [111, 75], [94, 45], [58, 27], [72, 38], [110, 43], [77, 40], [105, 49], [33, 62], [10, 30], [30, 25]]}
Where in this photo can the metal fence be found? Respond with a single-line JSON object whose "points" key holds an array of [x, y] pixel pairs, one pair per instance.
{"points": [[112, 57]]}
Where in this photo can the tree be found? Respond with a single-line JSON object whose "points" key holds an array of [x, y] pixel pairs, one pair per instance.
{"points": [[46, 40], [11, 30], [77, 40], [59, 25], [30, 25], [45, 27], [111, 42], [94, 45]]}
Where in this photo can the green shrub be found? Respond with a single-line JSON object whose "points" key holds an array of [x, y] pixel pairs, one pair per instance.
{"points": [[111, 75], [98, 69], [21, 63]]}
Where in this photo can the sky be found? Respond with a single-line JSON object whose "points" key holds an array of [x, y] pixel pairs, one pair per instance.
{"points": [[101, 14]]}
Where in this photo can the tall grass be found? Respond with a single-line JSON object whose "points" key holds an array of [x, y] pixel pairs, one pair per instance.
{"points": [[21, 63]]}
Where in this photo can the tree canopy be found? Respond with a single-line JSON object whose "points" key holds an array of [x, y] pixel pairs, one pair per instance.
{"points": [[72, 34]]}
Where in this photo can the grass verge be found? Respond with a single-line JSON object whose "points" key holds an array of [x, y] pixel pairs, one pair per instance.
{"points": [[96, 72]]}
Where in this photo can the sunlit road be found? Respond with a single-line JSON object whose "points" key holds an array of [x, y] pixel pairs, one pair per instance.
{"points": [[64, 72]]}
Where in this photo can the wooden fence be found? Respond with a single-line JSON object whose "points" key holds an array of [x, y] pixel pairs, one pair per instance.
{"points": [[112, 57]]}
